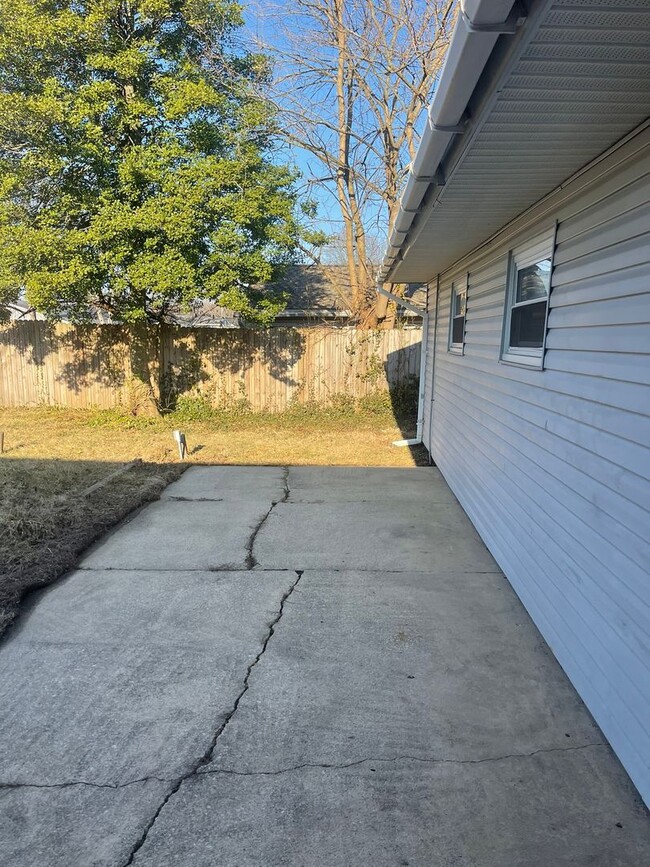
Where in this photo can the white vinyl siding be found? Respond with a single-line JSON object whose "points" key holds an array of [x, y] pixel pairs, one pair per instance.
{"points": [[553, 465]]}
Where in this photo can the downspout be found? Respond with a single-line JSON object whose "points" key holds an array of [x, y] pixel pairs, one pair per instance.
{"points": [[479, 25], [419, 429], [433, 366]]}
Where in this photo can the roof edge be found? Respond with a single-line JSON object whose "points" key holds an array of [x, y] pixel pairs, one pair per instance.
{"points": [[480, 24]]}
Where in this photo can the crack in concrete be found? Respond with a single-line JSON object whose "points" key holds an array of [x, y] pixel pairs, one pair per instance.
{"points": [[173, 499], [68, 784], [316, 765], [251, 562], [206, 758], [424, 759], [227, 567]]}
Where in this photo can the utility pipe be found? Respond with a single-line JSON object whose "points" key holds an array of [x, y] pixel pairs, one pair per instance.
{"points": [[403, 302], [419, 428]]}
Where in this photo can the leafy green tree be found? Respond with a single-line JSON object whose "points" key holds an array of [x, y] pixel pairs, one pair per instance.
{"points": [[136, 169]]}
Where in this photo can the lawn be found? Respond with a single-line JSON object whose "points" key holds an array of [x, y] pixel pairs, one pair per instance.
{"points": [[303, 435], [52, 457]]}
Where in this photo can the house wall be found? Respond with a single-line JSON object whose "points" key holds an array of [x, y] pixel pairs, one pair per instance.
{"points": [[553, 465]]}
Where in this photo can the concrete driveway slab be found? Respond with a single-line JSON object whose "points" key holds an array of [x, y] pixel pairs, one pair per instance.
{"points": [[551, 810], [262, 484], [363, 485], [380, 535], [77, 826], [181, 536], [373, 665], [134, 678], [361, 688], [222, 610]]}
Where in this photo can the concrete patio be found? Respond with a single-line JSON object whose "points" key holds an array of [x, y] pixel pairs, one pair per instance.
{"points": [[317, 667]]}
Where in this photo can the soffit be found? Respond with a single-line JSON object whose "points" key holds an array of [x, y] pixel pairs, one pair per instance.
{"points": [[579, 85]]}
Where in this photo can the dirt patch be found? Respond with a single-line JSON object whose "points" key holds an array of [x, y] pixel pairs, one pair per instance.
{"points": [[48, 516]]}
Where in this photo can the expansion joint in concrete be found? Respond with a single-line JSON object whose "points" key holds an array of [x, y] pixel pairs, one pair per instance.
{"points": [[429, 760], [173, 499], [251, 562], [84, 783], [206, 758]]}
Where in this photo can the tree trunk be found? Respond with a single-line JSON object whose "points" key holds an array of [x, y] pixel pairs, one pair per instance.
{"points": [[381, 304], [344, 97], [144, 391]]}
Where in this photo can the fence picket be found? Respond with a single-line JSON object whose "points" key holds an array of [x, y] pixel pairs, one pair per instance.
{"points": [[60, 365]]}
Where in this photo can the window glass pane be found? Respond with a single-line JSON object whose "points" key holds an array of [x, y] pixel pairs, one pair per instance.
{"points": [[527, 326], [533, 281], [457, 329], [462, 300]]}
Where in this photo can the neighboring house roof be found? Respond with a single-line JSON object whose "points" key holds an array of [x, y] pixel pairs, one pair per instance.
{"points": [[521, 105], [321, 291], [324, 292], [20, 310], [206, 314], [316, 292]]}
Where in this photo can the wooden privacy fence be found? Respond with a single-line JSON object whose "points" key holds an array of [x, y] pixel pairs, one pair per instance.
{"points": [[110, 365]]}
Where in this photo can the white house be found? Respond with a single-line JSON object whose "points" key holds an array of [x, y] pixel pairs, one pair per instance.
{"points": [[527, 211]]}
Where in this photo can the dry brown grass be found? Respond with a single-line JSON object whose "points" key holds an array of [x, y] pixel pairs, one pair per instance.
{"points": [[51, 456], [355, 439], [46, 521]]}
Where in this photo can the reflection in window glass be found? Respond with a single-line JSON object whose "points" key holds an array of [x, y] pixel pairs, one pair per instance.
{"points": [[533, 281], [458, 307], [527, 326]]}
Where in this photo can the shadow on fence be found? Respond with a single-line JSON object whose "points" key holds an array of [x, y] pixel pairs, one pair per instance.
{"points": [[150, 369]]}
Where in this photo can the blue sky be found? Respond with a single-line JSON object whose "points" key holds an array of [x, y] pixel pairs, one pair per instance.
{"points": [[264, 22], [399, 25]]}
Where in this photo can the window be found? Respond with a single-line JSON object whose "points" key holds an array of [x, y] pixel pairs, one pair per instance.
{"points": [[528, 290], [457, 317]]}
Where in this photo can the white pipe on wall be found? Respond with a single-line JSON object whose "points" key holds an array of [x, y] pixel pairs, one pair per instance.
{"points": [[419, 427], [423, 360]]}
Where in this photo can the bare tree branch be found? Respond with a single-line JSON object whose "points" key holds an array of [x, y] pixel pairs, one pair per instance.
{"points": [[351, 80]]}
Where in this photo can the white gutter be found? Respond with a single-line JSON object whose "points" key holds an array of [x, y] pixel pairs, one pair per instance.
{"points": [[479, 25]]}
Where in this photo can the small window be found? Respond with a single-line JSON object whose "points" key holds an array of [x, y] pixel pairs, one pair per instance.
{"points": [[457, 317], [528, 290]]}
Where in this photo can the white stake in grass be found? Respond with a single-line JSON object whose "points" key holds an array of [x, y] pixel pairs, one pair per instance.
{"points": [[179, 436]]}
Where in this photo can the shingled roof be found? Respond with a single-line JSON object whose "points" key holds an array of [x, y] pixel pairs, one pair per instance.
{"points": [[316, 292], [324, 291]]}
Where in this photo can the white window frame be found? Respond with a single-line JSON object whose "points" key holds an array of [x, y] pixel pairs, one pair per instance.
{"points": [[458, 289], [535, 250]]}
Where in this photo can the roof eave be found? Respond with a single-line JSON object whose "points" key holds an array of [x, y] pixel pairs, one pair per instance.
{"points": [[479, 26]]}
